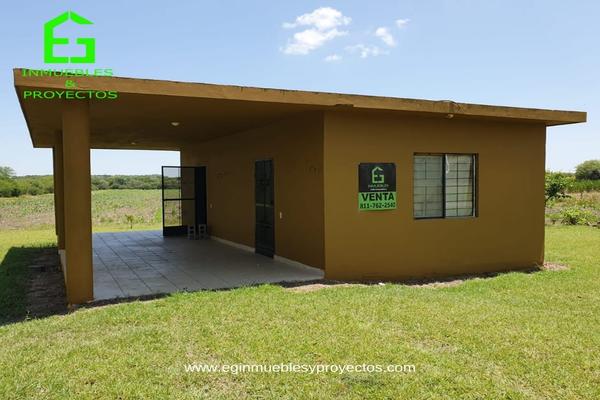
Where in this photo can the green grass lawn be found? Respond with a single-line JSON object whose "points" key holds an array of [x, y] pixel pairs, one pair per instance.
{"points": [[530, 336]]}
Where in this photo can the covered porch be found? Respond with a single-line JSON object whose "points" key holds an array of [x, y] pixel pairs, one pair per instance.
{"points": [[141, 263], [147, 115]]}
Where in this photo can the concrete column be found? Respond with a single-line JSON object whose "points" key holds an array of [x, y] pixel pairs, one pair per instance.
{"points": [[59, 191], [77, 201]]}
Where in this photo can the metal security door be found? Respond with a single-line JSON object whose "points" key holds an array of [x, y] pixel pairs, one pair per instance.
{"points": [[264, 242], [183, 198]]}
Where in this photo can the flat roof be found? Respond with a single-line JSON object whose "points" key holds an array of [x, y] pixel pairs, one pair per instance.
{"points": [[140, 117]]}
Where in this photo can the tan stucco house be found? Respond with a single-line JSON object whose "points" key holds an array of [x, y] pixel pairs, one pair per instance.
{"points": [[363, 187]]}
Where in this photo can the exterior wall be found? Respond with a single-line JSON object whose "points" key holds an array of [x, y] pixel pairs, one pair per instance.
{"points": [[296, 147], [507, 234]]}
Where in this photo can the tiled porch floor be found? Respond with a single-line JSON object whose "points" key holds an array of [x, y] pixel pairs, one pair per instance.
{"points": [[141, 263]]}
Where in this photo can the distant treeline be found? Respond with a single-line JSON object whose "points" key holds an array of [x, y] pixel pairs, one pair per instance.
{"points": [[574, 185], [13, 186]]}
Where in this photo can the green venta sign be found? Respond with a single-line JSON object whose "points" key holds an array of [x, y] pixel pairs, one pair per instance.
{"points": [[376, 186]]}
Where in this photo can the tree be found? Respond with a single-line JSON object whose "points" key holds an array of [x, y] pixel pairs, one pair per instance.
{"points": [[589, 169], [9, 187], [7, 173]]}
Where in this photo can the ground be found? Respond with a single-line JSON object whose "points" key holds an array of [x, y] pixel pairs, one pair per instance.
{"points": [[514, 336]]}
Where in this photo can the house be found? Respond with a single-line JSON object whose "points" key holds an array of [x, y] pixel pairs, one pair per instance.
{"points": [[362, 187]]}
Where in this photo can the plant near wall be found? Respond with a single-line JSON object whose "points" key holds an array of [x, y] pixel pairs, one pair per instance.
{"points": [[578, 216], [556, 186], [130, 219]]}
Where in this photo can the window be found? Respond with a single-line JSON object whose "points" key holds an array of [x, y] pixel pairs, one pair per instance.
{"points": [[444, 185]]}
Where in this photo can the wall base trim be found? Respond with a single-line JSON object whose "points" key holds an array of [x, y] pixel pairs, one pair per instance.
{"points": [[293, 262], [251, 249], [233, 244]]}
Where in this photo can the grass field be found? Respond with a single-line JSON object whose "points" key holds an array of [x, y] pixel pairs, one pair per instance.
{"points": [[109, 209], [517, 336]]}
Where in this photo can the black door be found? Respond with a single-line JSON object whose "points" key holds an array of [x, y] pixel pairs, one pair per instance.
{"points": [[265, 208], [200, 192], [183, 198]]}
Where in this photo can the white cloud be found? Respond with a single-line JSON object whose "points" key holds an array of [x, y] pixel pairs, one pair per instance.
{"points": [[401, 23], [322, 26], [322, 18], [308, 40], [384, 34], [365, 51], [333, 58]]}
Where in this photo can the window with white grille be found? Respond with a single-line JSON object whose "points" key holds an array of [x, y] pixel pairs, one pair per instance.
{"points": [[444, 185]]}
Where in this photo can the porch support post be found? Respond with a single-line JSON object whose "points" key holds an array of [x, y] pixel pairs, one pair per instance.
{"points": [[59, 191], [77, 201]]}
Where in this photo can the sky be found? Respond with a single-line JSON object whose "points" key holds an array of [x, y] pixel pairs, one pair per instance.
{"points": [[534, 53]]}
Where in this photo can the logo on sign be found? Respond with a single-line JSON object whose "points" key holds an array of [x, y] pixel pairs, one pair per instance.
{"points": [[376, 186], [377, 175]]}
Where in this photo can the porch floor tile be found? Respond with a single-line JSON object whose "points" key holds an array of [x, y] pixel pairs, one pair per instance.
{"points": [[141, 263]]}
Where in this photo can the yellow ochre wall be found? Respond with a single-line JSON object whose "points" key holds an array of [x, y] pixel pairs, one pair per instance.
{"points": [[296, 146], [507, 234]]}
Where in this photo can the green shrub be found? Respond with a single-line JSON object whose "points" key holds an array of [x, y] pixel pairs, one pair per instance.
{"points": [[577, 216], [35, 184], [130, 219], [556, 186], [589, 169], [9, 188], [585, 185]]}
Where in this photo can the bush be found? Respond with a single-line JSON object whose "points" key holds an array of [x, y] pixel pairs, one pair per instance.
{"points": [[9, 188], [556, 186], [35, 184], [586, 185], [588, 170], [577, 216]]}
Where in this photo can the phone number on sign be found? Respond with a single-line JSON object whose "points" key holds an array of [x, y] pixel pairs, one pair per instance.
{"points": [[378, 205]]}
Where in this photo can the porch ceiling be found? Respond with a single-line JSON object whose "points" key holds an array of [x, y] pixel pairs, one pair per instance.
{"points": [[141, 116], [142, 121]]}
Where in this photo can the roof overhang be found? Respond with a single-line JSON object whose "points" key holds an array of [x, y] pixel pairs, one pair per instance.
{"points": [[141, 116]]}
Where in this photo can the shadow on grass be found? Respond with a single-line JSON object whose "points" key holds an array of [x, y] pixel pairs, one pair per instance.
{"points": [[31, 284]]}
